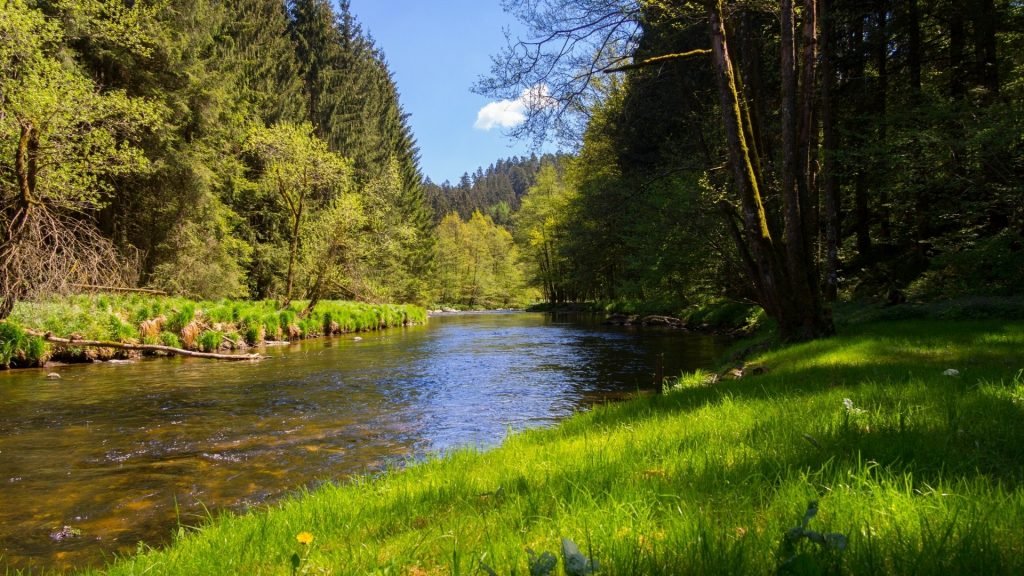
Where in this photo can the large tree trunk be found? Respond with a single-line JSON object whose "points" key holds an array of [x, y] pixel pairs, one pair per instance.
{"points": [[957, 45], [880, 47], [914, 49], [831, 145], [986, 62], [862, 209], [782, 275]]}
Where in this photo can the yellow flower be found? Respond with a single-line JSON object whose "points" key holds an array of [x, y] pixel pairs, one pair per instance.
{"points": [[304, 538]]}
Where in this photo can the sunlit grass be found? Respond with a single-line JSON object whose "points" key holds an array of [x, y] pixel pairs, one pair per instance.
{"points": [[174, 321], [918, 472]]}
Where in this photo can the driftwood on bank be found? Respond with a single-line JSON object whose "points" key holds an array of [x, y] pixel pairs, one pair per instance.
{"points": [[96, 288], [142, 347]]}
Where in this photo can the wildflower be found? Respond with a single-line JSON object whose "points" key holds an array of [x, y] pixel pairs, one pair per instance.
{"points": [[850, 409], [951, 372], [304, 538]]}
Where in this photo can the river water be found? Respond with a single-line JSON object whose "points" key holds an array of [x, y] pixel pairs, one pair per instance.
{"points": [[121, 453]]}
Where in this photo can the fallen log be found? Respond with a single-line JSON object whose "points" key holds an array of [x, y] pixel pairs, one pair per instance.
{"points": [[95, 288], [49, 337]]}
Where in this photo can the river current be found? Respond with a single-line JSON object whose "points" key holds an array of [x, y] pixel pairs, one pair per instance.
{"points": [[111, 455]]}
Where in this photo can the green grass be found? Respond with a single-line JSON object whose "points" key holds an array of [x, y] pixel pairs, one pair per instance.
{"points": [[917, 471], [180, 322]]}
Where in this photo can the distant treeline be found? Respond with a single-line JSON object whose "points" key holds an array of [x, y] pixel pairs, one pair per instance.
{"points": [[496, 191]]}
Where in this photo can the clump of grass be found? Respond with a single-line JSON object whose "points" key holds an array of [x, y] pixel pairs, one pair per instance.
{"points": [[170, 339], [18, 349], [697, 378], [210, 340]]}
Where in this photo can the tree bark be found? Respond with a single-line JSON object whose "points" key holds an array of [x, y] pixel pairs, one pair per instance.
{"points": [[881, 53], [781, 281], [858, 73], [957, 45], [986, 61], [829, 167], [914, 49]]}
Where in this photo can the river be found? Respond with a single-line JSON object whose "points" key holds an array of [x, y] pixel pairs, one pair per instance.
{"points": [[122, 453]]}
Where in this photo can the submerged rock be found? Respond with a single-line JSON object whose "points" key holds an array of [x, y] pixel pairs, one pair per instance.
{"points": [[65, 533], [656, 320], [621, 319]]}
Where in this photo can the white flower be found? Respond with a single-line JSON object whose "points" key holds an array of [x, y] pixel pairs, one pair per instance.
{"points": [[951, 372], [848, 404]]}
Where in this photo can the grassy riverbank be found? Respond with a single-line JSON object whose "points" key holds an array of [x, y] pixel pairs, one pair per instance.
{"points": [[914, 468], [182, 323]]}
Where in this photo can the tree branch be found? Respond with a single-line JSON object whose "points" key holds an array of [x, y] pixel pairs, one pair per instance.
{"points": [[657, 60]]}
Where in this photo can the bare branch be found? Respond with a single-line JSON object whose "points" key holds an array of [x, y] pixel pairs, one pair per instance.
{"points": [[570, 41], [657, 60]]}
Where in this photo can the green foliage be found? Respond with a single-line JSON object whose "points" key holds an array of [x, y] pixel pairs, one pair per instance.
{"points": [[477, 264], [206, 260], [170, 339], [181, 317], [85, 136], [119, 330], [180, 157], [210, 340], [541, 227], [63, 142], [11, 341], [18, 349], [495, 191], [988, 266], [695, 379], [724, 315]]}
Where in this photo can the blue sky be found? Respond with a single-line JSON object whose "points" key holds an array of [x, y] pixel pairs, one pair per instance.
{"points": [[436, 50]]}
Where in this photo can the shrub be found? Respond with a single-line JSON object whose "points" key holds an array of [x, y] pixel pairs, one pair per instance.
{"points": [[170, 339], [209, 340]]}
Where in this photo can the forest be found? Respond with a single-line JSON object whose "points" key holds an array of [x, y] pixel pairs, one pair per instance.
{"points": [[788, 155], [250, 148]]}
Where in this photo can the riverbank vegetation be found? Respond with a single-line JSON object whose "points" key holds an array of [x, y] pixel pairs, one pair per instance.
{"points": [[905, 436], [207, 326]]}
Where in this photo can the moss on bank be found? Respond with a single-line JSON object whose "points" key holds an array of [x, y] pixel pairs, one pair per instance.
{"points": [[908, 435], [179, 322]]}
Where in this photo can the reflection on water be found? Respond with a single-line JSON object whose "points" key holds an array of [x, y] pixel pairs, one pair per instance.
{"points": [[122, 453]]}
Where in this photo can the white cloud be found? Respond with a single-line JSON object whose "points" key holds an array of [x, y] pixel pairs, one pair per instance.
{"points": [[512, 113]]}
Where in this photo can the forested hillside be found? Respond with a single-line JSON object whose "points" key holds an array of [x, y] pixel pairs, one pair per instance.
{"points": [[244, 148], [496, 191], [786, 153]]}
